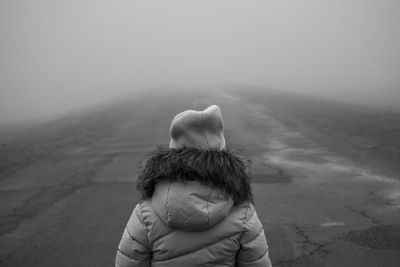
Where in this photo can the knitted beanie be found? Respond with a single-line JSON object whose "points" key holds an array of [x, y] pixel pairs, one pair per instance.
{"points": [[198, 129]]}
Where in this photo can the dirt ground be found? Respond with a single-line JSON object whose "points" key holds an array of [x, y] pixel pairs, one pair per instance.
{"points": [[67, 188]]}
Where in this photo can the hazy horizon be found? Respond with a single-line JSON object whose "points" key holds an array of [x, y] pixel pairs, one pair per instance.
{"points": [[58, 56]]}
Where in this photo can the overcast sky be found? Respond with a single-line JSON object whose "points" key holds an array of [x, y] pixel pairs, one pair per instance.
{"points": [[58, 55]]}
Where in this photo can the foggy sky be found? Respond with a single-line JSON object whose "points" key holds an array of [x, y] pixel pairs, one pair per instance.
{"points": [[60, 55]]}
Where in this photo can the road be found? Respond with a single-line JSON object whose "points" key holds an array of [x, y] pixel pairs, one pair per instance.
{"points": [[69, 205]]}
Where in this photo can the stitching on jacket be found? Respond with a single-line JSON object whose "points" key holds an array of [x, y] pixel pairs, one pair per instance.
{"points": [[254, 236], [258, 258], [166, 204], [217, 263], [141, 220], [134, 239], [244, 220], [133, 257], [192, 251], [139, 217], [125, 254], [171, 230], [252, 211], [208, 207], [263, 255]]}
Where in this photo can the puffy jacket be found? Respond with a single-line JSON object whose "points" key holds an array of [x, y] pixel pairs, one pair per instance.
{"points": [[186, 218]]}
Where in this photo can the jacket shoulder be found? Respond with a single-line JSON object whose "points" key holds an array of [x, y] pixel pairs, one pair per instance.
{"points": [[254, 247], [151, 221], [144, 212], [134, 248], [251, 223]]}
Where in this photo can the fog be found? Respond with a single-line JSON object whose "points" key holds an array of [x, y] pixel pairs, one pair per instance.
{"points": [[57, 56]]}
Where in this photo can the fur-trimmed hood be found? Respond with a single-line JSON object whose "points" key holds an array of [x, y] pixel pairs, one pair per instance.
{"points": [[223, 170]]}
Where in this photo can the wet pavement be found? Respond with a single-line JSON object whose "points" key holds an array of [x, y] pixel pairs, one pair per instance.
{"points": [[318, 208]]}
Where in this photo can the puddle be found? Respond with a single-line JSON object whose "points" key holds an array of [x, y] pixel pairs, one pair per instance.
{"points": [[392, 196], [339, 167], [331, 224], [290, 152], [366, 175]]}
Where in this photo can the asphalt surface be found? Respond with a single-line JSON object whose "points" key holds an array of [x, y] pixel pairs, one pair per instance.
{"points": [[68, 205]]}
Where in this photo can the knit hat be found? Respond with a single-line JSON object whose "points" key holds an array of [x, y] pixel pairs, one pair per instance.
{"points": [[198, 129]]}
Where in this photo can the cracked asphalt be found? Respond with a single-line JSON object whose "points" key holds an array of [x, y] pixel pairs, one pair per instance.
{"points": [[66, 202], [332, 212]]}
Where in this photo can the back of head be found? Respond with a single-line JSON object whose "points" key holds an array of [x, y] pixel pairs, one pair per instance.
{"points": [[202, 130]]}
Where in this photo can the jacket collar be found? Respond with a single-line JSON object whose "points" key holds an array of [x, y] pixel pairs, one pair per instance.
{"points": [[223, 170]]}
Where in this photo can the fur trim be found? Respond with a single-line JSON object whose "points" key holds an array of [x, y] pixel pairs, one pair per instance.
{"points": [[223, 170]]}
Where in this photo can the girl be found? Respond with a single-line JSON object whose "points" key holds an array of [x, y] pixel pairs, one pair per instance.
{"points": [[197, 207]]}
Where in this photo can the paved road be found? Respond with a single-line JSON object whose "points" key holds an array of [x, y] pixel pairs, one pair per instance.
{"points": [[68, 207]]}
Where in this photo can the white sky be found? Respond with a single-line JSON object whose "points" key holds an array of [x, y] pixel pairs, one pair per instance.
{"points": [[58, 55]]}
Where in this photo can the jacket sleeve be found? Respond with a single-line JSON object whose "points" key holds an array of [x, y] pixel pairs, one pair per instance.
{"points": [[134, 249], [254, 250]]}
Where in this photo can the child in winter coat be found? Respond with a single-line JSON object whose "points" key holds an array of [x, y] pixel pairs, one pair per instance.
{"points": [[196, 207]]}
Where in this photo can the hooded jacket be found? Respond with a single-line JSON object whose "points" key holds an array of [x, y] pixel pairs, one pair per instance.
{"points": [[196, 210]]}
